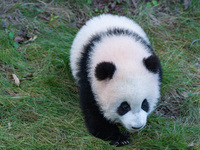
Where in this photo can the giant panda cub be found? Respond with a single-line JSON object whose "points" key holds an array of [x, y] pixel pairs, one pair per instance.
{"points": [[118, 74]]}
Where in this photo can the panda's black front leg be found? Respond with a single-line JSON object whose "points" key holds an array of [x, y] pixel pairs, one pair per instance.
{"points": [[96, 123], [103, 129]]}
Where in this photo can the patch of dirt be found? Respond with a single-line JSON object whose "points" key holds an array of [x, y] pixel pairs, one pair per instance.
{"points": [[111, 6], [174, 104]]}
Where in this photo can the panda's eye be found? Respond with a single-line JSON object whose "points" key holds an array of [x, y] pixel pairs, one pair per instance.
{"points": [[145, 105], [123, 108]]}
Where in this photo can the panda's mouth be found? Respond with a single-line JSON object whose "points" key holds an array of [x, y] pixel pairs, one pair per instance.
{"points": [[134, 129], [137, 128]]}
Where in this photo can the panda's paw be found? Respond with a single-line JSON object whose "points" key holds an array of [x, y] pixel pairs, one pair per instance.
{"points": [[123, 140]]}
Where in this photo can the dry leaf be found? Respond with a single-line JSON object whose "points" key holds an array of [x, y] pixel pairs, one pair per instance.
{"points": [[9, 125], [18, 39], [31, 39], [191, 144], [17, 82]]}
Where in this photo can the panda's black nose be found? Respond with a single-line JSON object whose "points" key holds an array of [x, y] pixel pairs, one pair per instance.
{"points": [[137, 128]]}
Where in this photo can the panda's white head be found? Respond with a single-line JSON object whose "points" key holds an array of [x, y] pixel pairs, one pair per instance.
{"points": [[126, 85], [127, 99]]}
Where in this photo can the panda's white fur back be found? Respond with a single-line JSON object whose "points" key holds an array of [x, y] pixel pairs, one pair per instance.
{"points": [[94, 26]]}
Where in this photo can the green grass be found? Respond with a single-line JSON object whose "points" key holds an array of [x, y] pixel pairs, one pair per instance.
{"points": [[43, 112]]}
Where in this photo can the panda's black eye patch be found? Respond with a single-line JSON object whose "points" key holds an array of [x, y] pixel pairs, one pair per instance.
{"points": [[145, 105], [123, 108]]}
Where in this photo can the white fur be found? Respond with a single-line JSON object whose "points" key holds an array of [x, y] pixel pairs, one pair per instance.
{"points": [[132, 82], [137, 120]]}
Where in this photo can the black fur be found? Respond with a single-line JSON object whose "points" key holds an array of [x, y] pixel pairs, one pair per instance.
{"points": [[145, 105], [104, 70], [152, 63], [96, 123], [123, 108]]}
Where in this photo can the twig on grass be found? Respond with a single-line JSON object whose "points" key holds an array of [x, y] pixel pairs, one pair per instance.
{"points": [[193, 42]]}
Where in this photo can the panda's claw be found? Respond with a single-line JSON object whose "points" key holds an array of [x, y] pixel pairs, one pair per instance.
{"points": [[125, 142], [121, 140]]}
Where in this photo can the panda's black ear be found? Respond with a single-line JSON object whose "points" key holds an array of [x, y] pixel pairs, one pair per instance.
{"points": [[104, 70], [152, 63]]}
